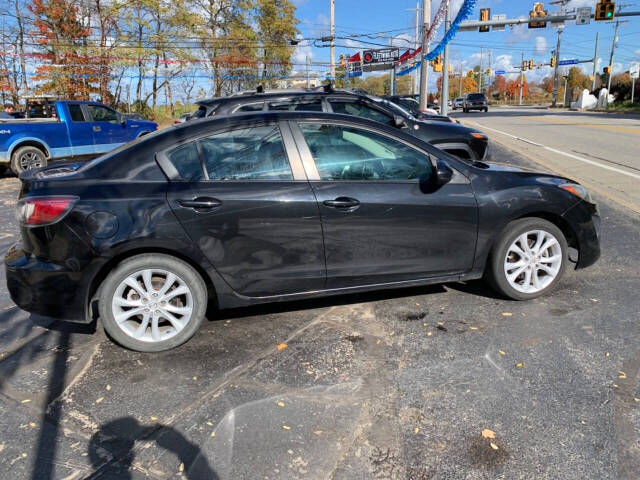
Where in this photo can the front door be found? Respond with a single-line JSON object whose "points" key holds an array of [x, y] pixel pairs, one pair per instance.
{"points": [[256, 222], [379, 223], [80, 133], [108, 131]]}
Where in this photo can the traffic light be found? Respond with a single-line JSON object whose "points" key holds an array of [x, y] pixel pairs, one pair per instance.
{"points": [[437, 64], [488, 71], [605, 10], [607, 70], [553, 61], [343, 63], [525, 64], [537, 12], [485, 15], [470, 74], [530, 64]]}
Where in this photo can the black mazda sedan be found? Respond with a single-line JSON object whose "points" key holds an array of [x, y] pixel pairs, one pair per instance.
{"points": [[277, 206]]}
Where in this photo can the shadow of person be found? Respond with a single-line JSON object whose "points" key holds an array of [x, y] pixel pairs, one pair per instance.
{"points": [[111, 449]]}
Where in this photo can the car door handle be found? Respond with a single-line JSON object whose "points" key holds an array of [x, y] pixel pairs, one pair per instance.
{"points": [[200, 203], [96, 128], [342, 202]]}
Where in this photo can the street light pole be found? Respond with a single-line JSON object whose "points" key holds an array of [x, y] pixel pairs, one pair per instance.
{"points": [[613, 48], [522, 78], [595, 63], [424, 66]]}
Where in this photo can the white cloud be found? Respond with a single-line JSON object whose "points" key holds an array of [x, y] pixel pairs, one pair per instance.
{"points": [[541, 45]]}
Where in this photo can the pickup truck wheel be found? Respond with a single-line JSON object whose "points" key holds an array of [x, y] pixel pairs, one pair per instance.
{"points": [[27, 158]]}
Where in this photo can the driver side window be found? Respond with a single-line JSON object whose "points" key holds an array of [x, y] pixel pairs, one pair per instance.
{"points": [[347, 153]]}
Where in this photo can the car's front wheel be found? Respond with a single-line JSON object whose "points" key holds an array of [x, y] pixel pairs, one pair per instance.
{"points": [[27, 158], [152, 302], [529, 259]]}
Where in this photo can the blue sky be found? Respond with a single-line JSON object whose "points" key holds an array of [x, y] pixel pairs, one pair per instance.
{"points": [[397, 19]]}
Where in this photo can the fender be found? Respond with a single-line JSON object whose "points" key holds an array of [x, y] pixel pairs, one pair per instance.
{"points": [[16, 144]]}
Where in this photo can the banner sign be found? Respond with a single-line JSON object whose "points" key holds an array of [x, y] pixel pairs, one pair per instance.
{"points": [[380, 59], [354, 66]]}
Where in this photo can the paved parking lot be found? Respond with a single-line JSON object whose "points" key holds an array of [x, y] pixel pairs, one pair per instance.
{"points": [[386, 385]]}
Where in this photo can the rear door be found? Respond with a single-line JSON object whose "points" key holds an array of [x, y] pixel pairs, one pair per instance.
{"points": [[250, 209], [380, 225]]}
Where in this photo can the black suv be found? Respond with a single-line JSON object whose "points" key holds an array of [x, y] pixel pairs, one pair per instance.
{"points": [[453, 138], [475, 101]]}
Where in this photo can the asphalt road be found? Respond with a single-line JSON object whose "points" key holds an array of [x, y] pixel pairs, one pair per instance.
{"points": [[389, 385], [601, 150]]}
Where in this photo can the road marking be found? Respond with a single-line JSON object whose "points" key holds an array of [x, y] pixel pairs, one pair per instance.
{"points": [[560, 152], [615, 128]]}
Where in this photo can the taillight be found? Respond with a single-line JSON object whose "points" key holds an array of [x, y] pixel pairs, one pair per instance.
{"points": [[40, 211]]}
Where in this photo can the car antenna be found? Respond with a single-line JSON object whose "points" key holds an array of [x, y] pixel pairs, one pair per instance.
{"points": [[328, 88]]}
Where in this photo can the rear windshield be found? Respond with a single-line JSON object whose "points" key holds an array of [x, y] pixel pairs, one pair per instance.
{"points": [[476, 96]]}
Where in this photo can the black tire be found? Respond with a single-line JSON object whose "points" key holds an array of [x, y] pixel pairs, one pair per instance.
{"points": [[495, 270], [465, 110], [27, 158], [130, 266], [486, 110]]}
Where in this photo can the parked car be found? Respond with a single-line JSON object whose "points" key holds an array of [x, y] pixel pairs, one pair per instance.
{"points": [[182, 118], [475, 101], [64, 129], [276, 206], [451, 137], [458, 103], [413, 107]]}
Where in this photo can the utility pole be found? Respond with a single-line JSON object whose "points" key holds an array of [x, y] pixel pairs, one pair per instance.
{"points": [[333, 41], [522, 78], [424, 65], [460, 94], [595, 63], [416, 86], [613, 47], [444, 98], [555, 71], [308, 77], [480, 72]]}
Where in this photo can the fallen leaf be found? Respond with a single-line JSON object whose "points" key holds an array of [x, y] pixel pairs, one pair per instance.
{"points": [[621, 374], [636, 399], [502, 352], [473, 328], [416, 430], [583, 422], [440, 323], [32, 424], [594, 300], [26, 400], [493, 445], [154, 418], [108, 387], [213, 434], [486, 433], [310, 372], [286, 427], [429, 334], [318, 432], [210, 424], [520, 365], [100, 400], [607, 354], [378, 342], [281, 404], [181, 468], [195, 378], [507, 314], [282, 346], [24, 455]]}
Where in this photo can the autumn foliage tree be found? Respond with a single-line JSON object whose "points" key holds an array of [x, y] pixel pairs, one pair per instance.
{"points": [[66, 71]]}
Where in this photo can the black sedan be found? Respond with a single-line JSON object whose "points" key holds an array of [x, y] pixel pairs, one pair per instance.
{"points": [[265, 207]]}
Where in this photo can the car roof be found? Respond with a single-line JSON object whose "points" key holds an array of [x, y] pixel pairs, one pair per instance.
{"points": [[272, 94]]}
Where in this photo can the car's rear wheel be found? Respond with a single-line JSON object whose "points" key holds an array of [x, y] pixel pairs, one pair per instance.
{"points": [[152, 302], [27, 158], [528, 260]]}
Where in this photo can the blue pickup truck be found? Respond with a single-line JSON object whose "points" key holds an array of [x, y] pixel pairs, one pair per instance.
{"points": [[64, 129]]}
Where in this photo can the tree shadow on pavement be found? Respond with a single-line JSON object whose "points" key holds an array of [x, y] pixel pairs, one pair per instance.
{"points": [[113, 437]]}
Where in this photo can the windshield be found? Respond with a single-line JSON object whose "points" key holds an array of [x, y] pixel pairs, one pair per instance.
{"points": [[397, 109], [476, 96]]}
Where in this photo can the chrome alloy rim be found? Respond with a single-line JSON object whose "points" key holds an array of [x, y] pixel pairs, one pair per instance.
{"points": [[152, 305], [30, 160], [533, 261]]}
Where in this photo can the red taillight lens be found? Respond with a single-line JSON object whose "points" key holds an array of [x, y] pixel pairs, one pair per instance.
{"points": [[39, 211]]}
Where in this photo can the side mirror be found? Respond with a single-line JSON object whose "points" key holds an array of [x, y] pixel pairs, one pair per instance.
{"points": [[123, 119], [444, 173], [441, 176], [399, 122]]}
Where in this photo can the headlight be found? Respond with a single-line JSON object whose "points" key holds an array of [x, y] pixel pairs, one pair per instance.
{"points": [[577, 190]]}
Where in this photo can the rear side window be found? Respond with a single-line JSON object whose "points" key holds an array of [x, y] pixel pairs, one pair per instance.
{"points": [[76, 112], [251, 107], [255, 153], [186, 161], [315, 106], [361, 110]]}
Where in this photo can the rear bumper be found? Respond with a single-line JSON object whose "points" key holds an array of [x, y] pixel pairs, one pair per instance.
{"points": [[585, 222], [45, 288]]}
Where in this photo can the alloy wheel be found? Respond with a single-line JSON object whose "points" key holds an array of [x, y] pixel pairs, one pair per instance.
{"points": [[30, 160], [152, 305], [533, 261]]}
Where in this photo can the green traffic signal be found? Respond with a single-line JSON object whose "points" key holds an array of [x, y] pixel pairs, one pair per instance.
{"points": [[609, 14]]}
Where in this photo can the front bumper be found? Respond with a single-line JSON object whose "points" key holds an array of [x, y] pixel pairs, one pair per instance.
{"points": [[45, 288], [585, 222]]}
